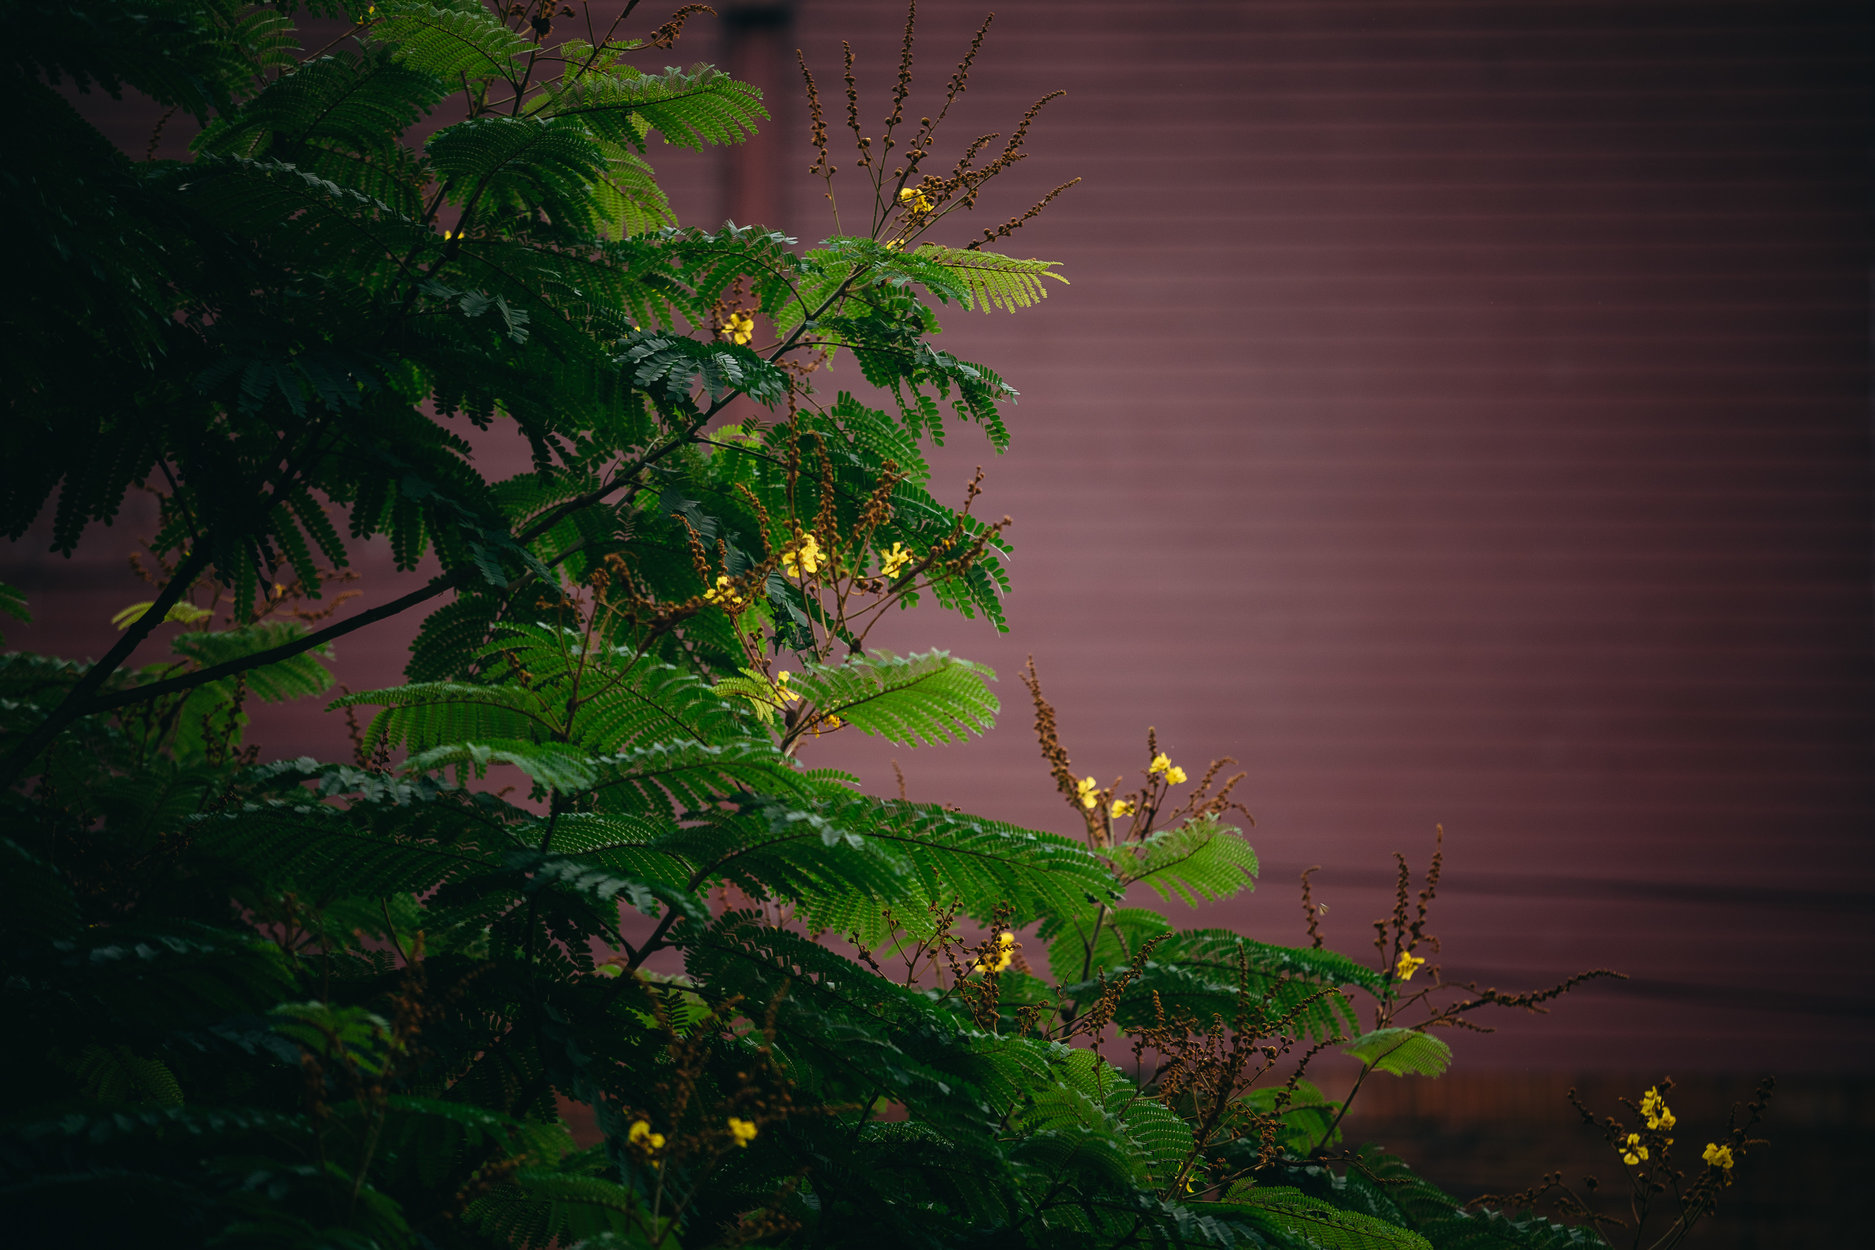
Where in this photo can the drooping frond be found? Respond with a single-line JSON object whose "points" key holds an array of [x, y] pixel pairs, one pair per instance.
{"points": [[928, 697], [431, 714], [504, 165], [981, 863], [455, 42], [338, 116], [1403, 1052], [296, 677], [993, 281], [371, 851], [1222, 949], [1200, 860], [1293, 1219], [695, 108], [681, 775], [1087, 1095]]}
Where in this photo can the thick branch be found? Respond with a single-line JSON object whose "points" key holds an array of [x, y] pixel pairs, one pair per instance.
{"points": [[286, 650], [78, 701]]}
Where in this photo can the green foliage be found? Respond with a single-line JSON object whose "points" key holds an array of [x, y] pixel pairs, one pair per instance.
{"points": [[1200, 860], [924, 699], [992, 281], [1292, 1218], [1403, 1052], [317, 1004]]}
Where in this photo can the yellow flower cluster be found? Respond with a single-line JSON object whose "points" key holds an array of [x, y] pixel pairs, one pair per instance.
{"points": [[1408, 965], [642, 1137], [1654, 1109], [1718, 1156], [785, 693], [916, 202], [1005, 953], [803, 558], [893, 562], [725, 598], [1162, 763], [1633, 1152], [1120, 808], [738, 327], [1088, 791], [742, 1130]]}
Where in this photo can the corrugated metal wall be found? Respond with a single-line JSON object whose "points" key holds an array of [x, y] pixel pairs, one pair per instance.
{"points": [[1459, 414]]}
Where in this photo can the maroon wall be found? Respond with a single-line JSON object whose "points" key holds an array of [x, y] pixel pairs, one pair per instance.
{"points": [[1459, 414]]}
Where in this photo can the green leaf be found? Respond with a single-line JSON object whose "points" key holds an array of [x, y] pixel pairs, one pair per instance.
{"points": [[1198, 861], [1311, 1224], [695, 108], [993, 281], [1403, 1052], [928, 697], [454, 43]]}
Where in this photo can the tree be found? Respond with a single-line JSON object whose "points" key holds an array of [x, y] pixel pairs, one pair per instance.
{"points": [[341, 1004]]}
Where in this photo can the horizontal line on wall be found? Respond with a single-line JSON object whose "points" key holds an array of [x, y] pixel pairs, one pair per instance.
{"points": [[1550, 885]]}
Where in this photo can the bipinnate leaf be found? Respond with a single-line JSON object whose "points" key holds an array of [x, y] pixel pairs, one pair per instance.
{"points": [[1403, 1052], [926, 697], [1297, 1220], [993, 281]]}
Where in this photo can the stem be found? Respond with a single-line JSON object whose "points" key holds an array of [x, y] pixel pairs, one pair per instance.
{"points": [[78, 700], [286, 650], [1345, 1104]]}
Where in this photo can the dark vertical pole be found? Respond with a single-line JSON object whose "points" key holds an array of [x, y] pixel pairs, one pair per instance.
{"points": [[758, 48]]}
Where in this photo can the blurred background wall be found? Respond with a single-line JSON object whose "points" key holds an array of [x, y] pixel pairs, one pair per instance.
{"points": [[1460, 415]]}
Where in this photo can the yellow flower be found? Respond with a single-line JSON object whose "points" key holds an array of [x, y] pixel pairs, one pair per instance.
{"points": [[1088, 791], [724, 597], [1654, 1107], [641, 1135], [738, 327], [802, 559], [1633, 1152], [893, 561], [1120, 808], [742, 1130], [1408, 965], [892, 245], [1718, 1156], [1162, 763], [915, 201], [783, 692], [1005, 954]]}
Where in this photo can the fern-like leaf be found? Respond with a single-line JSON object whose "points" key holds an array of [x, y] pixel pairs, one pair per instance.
{"points": [[453, 42], [695, 108], [1403, 1052], [1198, 861], [993, 281], [1296, 1220], [927, 697]]}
